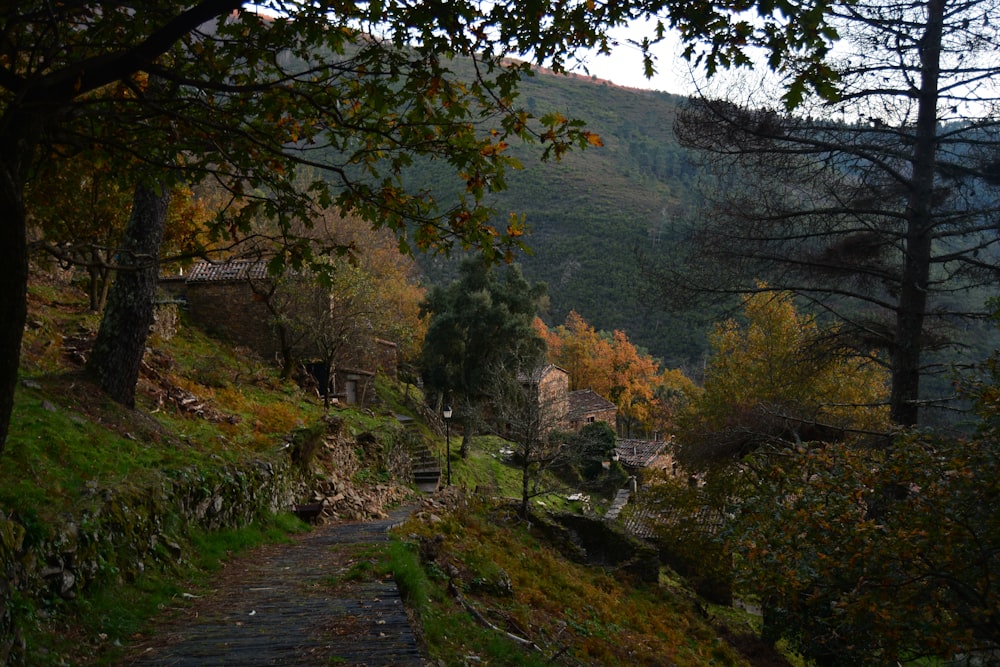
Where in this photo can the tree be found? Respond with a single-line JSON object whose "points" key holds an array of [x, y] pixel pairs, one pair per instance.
{"points": [[612, 366], [118, 349], [521, 411], [849, 576], [634, 377], [879, 209], [79, 213], [778, 381], [585, 354], [480, 327], [672, 396], [79, 209], [334, 309], [591, 454], [858, 555], [353, 92]]}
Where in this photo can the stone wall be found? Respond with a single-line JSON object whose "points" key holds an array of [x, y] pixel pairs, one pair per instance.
{"points": [[595, 542], [553, 392], [121, 532], [232, 311]]}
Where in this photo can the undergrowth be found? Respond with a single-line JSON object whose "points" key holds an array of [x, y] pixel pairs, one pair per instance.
{"points": [[534, 606], [482, 584]]}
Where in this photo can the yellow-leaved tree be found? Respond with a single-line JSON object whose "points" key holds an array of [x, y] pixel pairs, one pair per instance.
{"points": [[776, 379]]}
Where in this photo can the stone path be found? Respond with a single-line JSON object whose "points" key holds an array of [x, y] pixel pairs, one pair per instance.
{"points": [[289, 605], [621, 499]]}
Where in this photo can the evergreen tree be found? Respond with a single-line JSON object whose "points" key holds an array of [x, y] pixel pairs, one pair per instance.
{"points": [[480, 326], [881, 208]]}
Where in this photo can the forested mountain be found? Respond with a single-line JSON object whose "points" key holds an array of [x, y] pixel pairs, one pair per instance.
{"points": [[591, 214]]}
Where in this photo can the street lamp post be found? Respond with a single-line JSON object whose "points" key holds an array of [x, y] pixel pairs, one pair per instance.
{"points": [[447, 438]]}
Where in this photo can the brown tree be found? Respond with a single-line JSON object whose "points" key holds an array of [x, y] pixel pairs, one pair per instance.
{"points": [[121, 339]]}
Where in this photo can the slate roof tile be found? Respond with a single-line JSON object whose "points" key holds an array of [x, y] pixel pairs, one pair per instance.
{"points": [[231, 270]]}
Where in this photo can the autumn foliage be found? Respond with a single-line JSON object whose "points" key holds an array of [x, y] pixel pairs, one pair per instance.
{"points": [[777, 378], [860, 551], [876, 556], [613, 367]]}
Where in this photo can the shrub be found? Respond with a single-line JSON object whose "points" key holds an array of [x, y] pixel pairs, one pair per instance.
{"points": [[877, 557]]}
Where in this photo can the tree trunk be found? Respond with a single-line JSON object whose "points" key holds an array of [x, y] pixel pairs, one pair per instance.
{"points": [[14, 278], [467, 433], [905, 393], [526, 483], [100, 280], [121, 340], [329, 386]]}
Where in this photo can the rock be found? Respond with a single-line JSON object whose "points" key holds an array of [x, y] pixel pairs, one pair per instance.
{"points": [[201, 509], [66, 585]]}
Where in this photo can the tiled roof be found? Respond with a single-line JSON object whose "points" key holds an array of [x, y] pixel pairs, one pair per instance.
{"points": [[587, 401], [233, 269], [639, 453], [645, 521]]}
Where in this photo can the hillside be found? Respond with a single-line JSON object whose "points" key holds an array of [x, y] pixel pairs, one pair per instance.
{"points": [[596, 212], [108, 516], [596, 216]]}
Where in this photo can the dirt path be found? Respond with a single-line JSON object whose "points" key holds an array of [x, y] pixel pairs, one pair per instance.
{"points": [[288, 605]]}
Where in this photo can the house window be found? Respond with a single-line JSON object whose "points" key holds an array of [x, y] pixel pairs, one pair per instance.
{"points": [[590, 419]]}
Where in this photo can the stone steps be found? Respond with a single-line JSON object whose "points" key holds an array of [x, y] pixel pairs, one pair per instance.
{"points": [[425, 466], [426, 470]]}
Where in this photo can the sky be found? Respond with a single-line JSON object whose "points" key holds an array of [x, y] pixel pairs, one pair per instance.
{"points": [[624, 65]]}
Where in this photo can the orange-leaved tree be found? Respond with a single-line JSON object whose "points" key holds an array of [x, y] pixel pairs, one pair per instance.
{"points": [[615, 368], [79, 208]]}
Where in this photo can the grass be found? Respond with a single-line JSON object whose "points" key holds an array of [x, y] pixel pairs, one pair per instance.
{"points": [[68, 444], [56, 456], [66, 440], [489, 468], [213, 548], [570, 613]]}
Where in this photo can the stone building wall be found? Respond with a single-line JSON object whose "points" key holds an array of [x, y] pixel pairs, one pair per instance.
{"points": [[233, 312], [553, 392]]}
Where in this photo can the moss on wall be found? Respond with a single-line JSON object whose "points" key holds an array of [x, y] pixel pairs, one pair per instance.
{"points": [[118, 533]]}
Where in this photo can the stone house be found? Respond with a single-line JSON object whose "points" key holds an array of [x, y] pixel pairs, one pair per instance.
{"points": [[229, 300], [638, 455], [572, 409], [587, 406], [550, 385], [225, 300]]}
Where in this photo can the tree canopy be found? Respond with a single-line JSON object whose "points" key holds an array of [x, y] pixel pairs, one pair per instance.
{"points": [[480, 327], [776, 380], [879, 209], [213, 89]]}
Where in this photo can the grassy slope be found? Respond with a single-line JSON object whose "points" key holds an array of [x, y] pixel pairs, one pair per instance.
{"points": [[68, 442]]}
